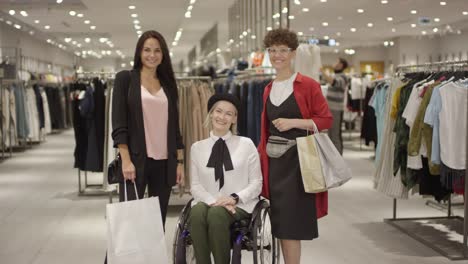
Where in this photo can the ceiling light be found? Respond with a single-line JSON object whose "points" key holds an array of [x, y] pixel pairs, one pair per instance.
{"points": [[87, 40], [338, 34], [443, 3], [102, 40], [413, 25], [131, 7], [31, 32], [300, 33], [291, 17], [9, 22], [137, 27], [389, 18], [305, 9], [48, 41], [323, 1], [370, 24], [79, 45], [245, 33], [360, 11], [424, 32], [255, 37], [311, 29], [297, 2], [190, 7], [393, 30], [74, 42], [24, 13], [414, 12], [325, 24], [59, 1], [134, 15], [188, 14], [92, 27], [47, 27], [192, 2], [37, 21], [384, 2], [174, 43], [68, 40], [326, 37], [436, 19], [391, 43], [269, 28], [340, 18], [17, 26], [465, 13], [385, 43], [285, 10], [87, 21], [136, 21], [109, 52], [79, 15], [435, 30], [337, 44], [139, 32], [353, 29], [12, 12], [72, 13], [241, 36]]}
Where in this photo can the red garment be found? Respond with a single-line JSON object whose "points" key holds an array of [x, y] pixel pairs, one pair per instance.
{"points": [[312, 105]]}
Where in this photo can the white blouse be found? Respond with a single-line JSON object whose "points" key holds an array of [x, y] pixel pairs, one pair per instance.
{"points": [[245, 179], [281, 90]]}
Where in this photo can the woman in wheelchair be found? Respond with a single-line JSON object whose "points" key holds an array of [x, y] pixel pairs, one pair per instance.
{"points": [[226, 181]]}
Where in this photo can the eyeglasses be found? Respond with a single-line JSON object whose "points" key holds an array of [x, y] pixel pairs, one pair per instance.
{"points": [[280, 51]]}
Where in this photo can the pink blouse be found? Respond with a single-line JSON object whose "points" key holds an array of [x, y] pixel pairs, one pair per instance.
{"points": [[155, 116]]}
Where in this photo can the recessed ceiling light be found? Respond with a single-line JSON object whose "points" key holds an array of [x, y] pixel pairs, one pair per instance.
{"points": [[136, 21], [435, 30], [37, 21], [87, 21], [269, 28], [137, 27], [338, 34], [190, 7], [436, 19], [9, 22], [360, 10], [79, 15], [139, 32], [134, 15], [24, 13], [442, 3], [17, 26], [74, 42], [12, 12], [340, 18], [337, 44], [31, 32], [384, 2], [465, 13], [389, 18], [311, 29], [59, 1], [424, 32], [131, 7], [413, 25], [79, 45], [92, 27], [370, 24], [325, 24], [68, 40], [47, 27], [353, 29], [393, 30], [300, 33], [87, 40], [72, 13], [305, 9], [326, 37], [48, 41], [291, 17], [414, 12], [285, 10], [323, 1], [188, 14], [102, 40], [174, 43]]}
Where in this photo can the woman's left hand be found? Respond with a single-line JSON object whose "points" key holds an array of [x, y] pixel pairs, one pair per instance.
{"points": [[180, 175], [284, 124]]}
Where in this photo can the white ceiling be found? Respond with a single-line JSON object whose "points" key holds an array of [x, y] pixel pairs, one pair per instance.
{"points": [[113, 20]]}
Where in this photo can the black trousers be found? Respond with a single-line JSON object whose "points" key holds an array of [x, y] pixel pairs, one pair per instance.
{"points": [[155, 179]]}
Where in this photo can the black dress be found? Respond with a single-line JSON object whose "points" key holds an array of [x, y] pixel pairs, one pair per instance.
{"points": [[293, 211]]}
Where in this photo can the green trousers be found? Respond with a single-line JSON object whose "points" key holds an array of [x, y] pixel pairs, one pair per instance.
{"points": [[210, 232]]}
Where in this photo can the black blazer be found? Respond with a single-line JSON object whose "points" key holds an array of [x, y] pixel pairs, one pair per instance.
{"points": [[128, 126]]}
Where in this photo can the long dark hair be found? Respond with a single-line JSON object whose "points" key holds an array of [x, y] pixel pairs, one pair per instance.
{"points": [[164, 72]]}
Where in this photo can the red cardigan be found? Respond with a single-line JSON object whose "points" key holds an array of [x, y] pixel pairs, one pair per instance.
{"points": [[313, 106]]}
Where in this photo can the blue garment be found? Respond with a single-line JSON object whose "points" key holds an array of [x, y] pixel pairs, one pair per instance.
{"points": [[378, 103], [432, 118]]}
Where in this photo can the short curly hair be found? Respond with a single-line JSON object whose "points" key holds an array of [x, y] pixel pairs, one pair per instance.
{"points": [[281, 36]]}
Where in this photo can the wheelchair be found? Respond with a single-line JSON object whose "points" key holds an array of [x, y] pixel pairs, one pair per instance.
{"points": [[252, 234]]}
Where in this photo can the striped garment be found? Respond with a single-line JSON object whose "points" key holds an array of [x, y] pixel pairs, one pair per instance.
{"points": [[336, 92]]}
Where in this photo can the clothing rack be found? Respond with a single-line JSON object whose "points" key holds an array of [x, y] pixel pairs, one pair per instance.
{"points": [[429, 67], [190, 78]]}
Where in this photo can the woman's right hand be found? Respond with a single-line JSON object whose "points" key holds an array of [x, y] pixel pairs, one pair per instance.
{"points": [[128, 170]]}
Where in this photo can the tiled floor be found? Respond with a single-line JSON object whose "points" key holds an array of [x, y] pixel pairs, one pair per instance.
{"points": [[43, 221]]}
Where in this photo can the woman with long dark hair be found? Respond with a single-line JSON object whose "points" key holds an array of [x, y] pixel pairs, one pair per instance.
{"points": [[145, 122]]}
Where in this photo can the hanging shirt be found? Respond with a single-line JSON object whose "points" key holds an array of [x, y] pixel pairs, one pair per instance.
{"points": [[245, 179], [281, 90], [155, 118]]}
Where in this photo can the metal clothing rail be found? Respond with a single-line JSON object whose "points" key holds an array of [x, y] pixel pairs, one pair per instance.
{"points": [[417, 68]]}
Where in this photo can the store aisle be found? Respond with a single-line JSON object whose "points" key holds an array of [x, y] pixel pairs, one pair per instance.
{"points": [[42, 220]]}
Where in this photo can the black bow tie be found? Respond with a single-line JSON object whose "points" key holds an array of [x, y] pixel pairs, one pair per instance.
{"points": [[220, 156]]}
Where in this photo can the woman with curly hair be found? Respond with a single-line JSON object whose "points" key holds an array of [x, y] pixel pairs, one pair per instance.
{"points": [[293, 103]]}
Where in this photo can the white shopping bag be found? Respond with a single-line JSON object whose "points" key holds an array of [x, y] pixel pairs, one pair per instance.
{"points": [[135, 232], [334, 168]]}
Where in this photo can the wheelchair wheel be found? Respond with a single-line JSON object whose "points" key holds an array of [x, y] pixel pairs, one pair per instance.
{"points": [[266, 250], [182, 247]]}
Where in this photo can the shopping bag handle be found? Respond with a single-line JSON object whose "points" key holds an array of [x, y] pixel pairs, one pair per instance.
{"points": [[314, 126], [136, 191]]}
